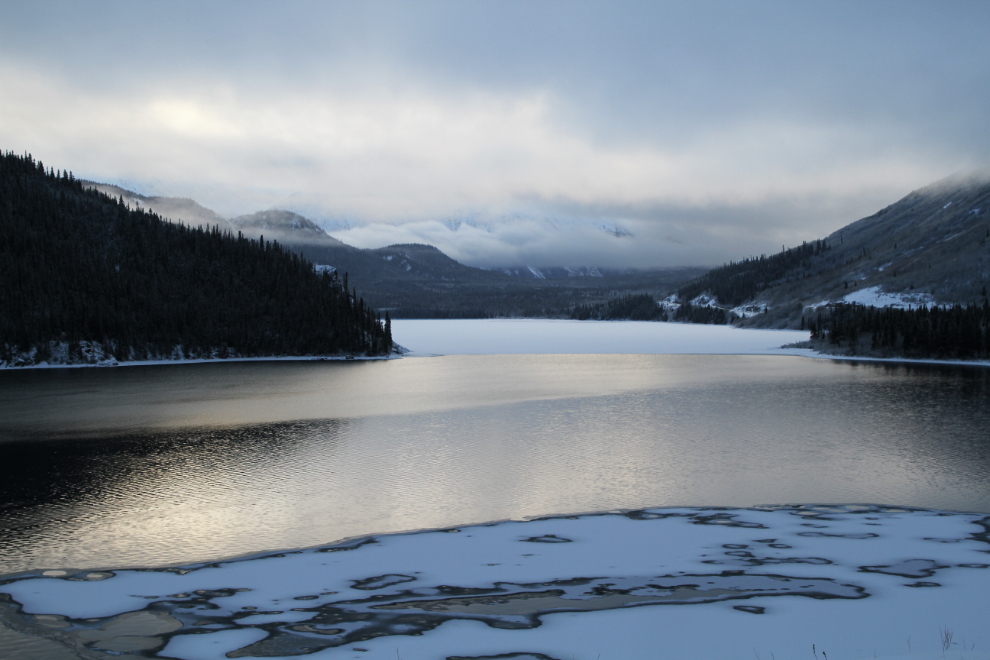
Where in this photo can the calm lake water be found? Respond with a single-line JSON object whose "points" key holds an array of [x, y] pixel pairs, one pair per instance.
{"points": [[158, 465]]}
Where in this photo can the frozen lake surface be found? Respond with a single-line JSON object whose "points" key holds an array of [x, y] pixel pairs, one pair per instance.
{"points": [[107, 470], [541, 336]]}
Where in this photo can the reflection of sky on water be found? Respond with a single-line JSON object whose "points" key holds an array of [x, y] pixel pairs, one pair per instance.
{"points": [[460, 439]]}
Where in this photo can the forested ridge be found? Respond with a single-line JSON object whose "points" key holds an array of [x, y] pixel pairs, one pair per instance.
{"points": [[633, 307], [79, 266]]}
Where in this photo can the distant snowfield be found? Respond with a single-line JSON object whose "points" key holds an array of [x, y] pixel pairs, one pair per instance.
{"points": [[546, 336], [767, 582], [877, 298]]}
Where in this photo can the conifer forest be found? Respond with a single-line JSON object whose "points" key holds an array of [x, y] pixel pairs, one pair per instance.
{"points": [[79, 268], [937, 332]]}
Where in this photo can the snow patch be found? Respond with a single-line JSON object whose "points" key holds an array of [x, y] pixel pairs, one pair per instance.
{"points": [[877, 298], [747, 310], [704, 300]]}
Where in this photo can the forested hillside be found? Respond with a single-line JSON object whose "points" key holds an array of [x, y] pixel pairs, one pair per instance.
{"points": [[641, 307], [740, 281], [80, 268], [931, 247]]}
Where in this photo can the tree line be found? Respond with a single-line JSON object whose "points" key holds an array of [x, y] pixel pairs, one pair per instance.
{"points": [[925, 332], [633, 307], [644, 307], [78, 265]]}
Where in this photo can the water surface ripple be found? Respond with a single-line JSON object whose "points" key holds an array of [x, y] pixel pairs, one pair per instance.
{"points": [[154, 466]]}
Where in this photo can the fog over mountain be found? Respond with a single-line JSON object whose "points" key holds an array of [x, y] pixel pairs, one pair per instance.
{"points": [[629, 134]]}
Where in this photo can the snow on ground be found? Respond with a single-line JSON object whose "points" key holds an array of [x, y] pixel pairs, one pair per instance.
{"points": [[704, 300], [767, 582], [876, 297], [747, 310], [545, 336], [112, 362]]}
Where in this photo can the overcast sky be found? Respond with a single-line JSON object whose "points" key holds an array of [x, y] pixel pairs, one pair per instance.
{"points": [[701, 131]]}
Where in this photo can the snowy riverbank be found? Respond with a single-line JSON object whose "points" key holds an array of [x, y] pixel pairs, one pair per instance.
{"points": [[145, 363], [93, 354], [855, 581]]}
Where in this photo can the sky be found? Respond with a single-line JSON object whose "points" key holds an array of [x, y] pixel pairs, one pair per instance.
{"points": [[610, 134]]}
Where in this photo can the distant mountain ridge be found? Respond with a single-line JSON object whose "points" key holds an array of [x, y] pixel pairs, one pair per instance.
{"points": [[928, 248], [416, 280], [285, 227], [175, 209]]}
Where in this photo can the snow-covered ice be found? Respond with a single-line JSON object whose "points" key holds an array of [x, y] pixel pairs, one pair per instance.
{"points": [[544, 336], [855, 581]]}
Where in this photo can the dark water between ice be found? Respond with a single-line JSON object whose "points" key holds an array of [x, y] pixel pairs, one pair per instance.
{"points": [[146, 466]]}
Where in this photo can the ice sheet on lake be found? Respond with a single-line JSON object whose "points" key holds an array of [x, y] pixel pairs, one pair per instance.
{"points": [[856, 581], [547, 336]]}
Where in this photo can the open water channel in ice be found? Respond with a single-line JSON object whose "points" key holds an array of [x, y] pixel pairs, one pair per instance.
{"points": [[166, 466]]}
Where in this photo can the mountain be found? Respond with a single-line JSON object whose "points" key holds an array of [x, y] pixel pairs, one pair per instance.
{"points": [[285, 227], [558, 272], [929, 248], [88, 278], [419, 281]]}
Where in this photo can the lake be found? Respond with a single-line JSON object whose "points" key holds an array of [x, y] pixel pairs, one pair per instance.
{"points": [[159, 465], [166, 465]]}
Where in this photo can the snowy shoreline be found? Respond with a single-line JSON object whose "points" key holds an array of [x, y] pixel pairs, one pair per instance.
{"points": [[437, 337], [857, 581], [148, 363]]}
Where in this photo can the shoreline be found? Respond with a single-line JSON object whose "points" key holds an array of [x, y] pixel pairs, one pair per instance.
{"points": [[352, 542], [783, 351], [151, 363], [811, 353]]}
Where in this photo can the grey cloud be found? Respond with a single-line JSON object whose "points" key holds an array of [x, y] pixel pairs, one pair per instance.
{"points": [[572, 235], [712, 130]]}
